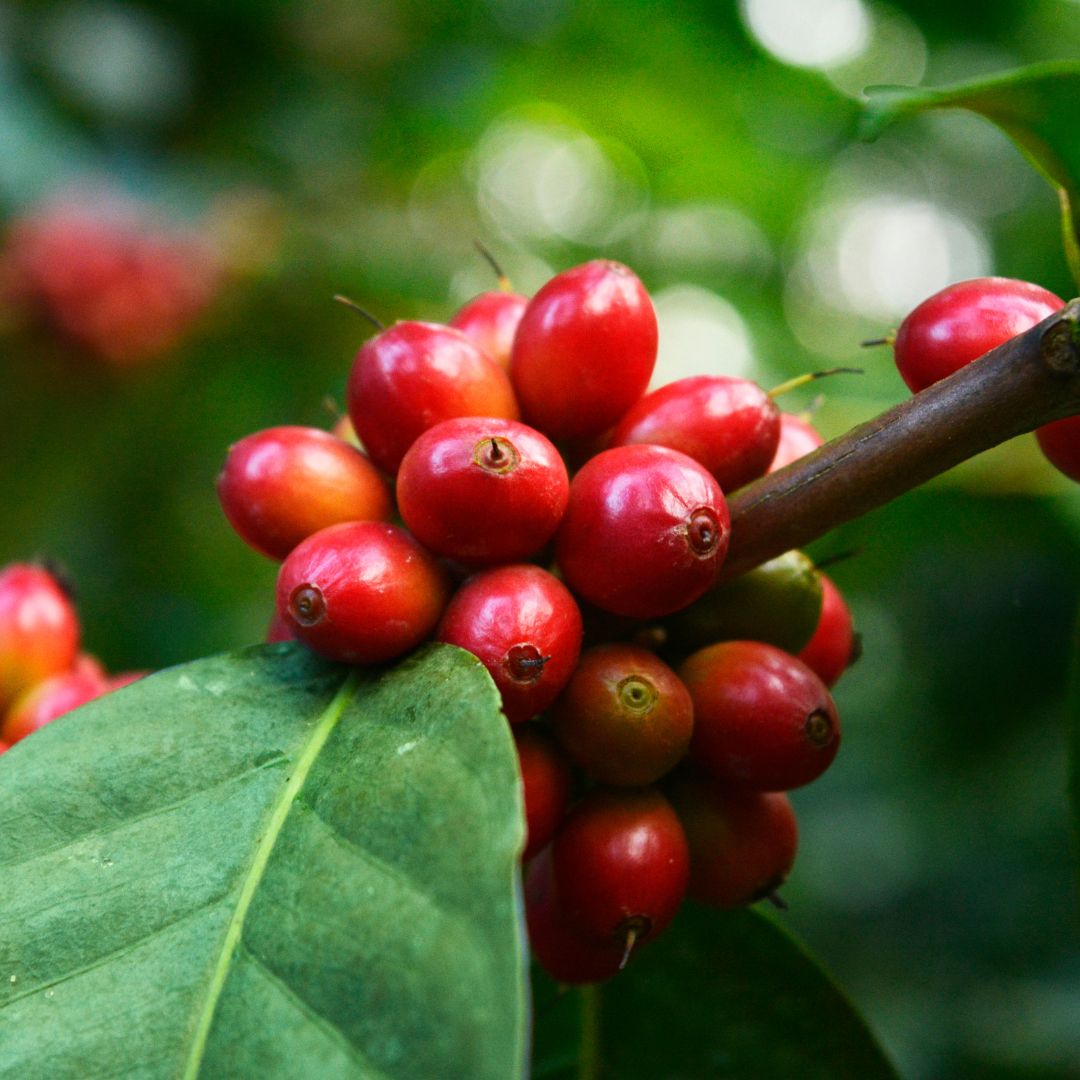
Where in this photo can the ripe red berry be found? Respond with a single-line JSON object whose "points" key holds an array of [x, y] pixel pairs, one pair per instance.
{"points": [[742, 843], [832, 648], [621, 865], [411, 376], [731, 426], [362, 592], [798, 438], [645, 531], [965, 321], [280, 485], [625, 717], [545, 783], [491, 320], [44, 702], [584, 350], [524, 626], [762, 718], [39, 629], [482, 490], [1060, 444]]}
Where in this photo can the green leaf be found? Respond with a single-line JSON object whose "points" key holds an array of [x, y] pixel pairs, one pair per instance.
{"points": [[1037, 107], [264, 865], [719, 995]]}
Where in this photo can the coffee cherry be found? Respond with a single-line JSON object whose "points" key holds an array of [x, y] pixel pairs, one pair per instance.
{"points": [[545, 783], [279, 629], [645, 531], [39, 629], [411, 376], [491, 320], [482, 490], [362, 592], [44, 702], [1060, 444], [762, 718], [965, 321], [778, 602], [524, 627], [561, 950], [621, 866], [832, 648], [797, 439], [584, 351], [280, 485], [625, 717], [742, 843], [730, 426]]}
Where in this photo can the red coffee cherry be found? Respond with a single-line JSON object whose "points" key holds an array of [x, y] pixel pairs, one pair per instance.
{"points": [[362, 592], [280, 485], [797, 439], [584, 350], [1060, 444], [762, 718], [625, 717], [832, 648], [482, 490], [491, 320], [965, 321], [39, 629], [742, 843], [524, 627], [46, 701], [621, 866], [645, 531], [731, 426], [545, 782], [560, 949], [411, 376]]}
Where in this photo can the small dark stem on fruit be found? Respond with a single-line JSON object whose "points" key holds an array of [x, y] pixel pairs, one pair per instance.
{"points": [[485, 252], [838, 557], [871, 343], [802, 380], [777, 901], [1019, 386], [377, 323], [496, 453]]}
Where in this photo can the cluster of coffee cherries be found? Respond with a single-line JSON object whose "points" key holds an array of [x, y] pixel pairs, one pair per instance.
{"points": [[43, 672], [962, 323], [114, 284], [658, 720]]}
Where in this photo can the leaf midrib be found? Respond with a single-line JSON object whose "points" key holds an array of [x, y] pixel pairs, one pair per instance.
{"points": [[316, 741]]}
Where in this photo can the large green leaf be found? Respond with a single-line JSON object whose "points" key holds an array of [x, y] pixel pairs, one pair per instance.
{"points": [[1036, 106], [720, 995], [263, 865]]}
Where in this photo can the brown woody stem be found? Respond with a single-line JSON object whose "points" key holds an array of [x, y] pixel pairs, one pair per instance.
{"points": [[1019, 386]]}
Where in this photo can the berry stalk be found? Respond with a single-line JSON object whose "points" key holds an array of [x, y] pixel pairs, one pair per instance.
{"points": [[1017, 387]]}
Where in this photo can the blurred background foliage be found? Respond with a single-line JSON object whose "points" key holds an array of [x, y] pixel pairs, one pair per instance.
{"points": [[333, 146]]}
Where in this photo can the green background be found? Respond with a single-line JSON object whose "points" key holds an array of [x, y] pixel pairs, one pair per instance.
{"points": [[362, 147]]}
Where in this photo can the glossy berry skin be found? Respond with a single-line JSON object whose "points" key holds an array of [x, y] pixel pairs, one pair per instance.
{"points": [[645, 531], [762, 718], [832, 648], [584, 351], [545, 782], [280, 485], [39, 629], [413, 375], [46, 701], [742, 843], [798, 437], [1060, 444], [363, 592], [625, 717], [482, 491], [621, 865], [524, 626], [560, 949], [965, 321], [731, 426], [491, 320]]}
